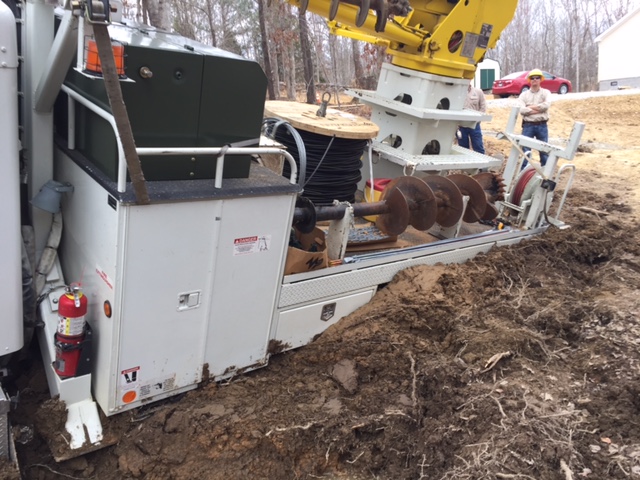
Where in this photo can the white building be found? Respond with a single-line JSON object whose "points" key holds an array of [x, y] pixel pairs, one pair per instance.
{"points": [[618, 63], [486, 72]]}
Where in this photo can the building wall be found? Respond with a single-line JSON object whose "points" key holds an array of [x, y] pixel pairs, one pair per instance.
{"points": [[619, 83], [618, 65]]}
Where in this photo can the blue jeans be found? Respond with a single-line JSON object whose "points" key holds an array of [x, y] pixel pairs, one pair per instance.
{"points": [[539, 132], [475, 134]]}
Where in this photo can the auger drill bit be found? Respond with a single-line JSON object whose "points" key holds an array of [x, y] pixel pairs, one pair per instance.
{"points": [[449, 200], [419, 202], [405, 201], [422, 203], [477, 203], [393, 213], [493, 186]]}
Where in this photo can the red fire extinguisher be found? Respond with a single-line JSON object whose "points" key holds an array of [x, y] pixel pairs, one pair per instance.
{"points": [[70, 334]]}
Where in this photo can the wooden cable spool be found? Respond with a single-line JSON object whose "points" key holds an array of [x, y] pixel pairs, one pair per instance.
{"points": [[332, 141], [302, 116]]}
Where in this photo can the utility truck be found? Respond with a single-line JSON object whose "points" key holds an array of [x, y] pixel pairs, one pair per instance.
{"points": [[148, 244]]}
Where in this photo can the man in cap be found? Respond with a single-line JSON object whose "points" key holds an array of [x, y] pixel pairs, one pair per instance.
{"points": [[534, 108]]}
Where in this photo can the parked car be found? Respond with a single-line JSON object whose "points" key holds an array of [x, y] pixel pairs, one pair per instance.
{"points": [[516, 83]]}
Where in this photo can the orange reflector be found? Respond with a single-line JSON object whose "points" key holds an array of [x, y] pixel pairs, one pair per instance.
{"points": [[107, 308], [129, 396], [92, 62]]}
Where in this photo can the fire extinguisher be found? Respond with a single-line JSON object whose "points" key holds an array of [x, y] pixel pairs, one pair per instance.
{"points": [[70, 334]]}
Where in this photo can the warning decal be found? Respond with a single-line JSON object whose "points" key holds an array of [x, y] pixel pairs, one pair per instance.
{"points": [[105, 278], [130, 377], [157, 386], [255, 244]]}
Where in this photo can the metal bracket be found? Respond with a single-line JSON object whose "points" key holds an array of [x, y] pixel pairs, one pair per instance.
{"points": [[98, 12], [338, 234]]}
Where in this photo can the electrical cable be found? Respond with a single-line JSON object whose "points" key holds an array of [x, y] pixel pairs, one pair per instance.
{"points": [[333, 165], [321, 160]]}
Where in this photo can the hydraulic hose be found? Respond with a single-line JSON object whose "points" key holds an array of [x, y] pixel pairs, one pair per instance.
{"points": [[271, 126]]}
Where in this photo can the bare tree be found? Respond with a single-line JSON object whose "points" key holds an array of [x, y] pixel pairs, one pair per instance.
{"points": [[264, 42], [307, 61], [357, 63]]}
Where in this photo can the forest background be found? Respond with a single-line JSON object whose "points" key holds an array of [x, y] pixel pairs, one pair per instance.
{"points": [[297, 52]]}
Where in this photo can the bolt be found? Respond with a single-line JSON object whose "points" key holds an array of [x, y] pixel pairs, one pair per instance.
{"points": [[145, 72]]}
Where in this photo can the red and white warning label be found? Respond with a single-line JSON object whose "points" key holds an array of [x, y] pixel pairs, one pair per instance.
{"points": [[255, 244], [130, 377]]}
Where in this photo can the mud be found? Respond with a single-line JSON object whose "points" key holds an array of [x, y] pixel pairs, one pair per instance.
{"points": [[522, 363]]}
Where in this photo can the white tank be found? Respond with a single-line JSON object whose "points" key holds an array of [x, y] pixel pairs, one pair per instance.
{"points": [[11, 336]]}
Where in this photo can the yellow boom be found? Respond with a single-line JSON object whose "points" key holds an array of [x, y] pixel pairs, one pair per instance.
{"points": [[441, 37]]}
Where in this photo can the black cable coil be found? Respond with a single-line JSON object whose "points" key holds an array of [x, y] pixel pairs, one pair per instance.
{"points": [[333, 165]]}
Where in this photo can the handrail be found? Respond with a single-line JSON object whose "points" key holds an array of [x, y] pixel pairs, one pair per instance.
{"points": [[572, 171], [122, 166], [221, 152]]}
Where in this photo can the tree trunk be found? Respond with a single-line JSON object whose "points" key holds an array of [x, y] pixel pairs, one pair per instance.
{"points": [[265, 52], [290, 74], [276, 71], [212, 29], [307, 62], [357, 62]]}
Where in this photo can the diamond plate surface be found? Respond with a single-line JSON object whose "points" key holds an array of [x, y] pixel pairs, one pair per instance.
{"points": [[4, 425], [365, 275], [332, 285]]}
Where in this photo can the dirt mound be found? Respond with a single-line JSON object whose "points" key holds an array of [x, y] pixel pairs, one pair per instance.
{"points": [[521, 363]]}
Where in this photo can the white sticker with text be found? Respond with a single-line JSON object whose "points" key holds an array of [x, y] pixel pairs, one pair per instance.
{"points": [[255, 244]]}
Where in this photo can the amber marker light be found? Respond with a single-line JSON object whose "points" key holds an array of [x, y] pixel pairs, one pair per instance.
{"points": [[92, 61], [107, 308]]}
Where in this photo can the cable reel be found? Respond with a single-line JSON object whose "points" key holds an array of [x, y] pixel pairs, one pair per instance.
{"points": [[526, 184]]}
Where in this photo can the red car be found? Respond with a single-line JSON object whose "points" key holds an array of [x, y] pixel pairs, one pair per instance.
{"points": [[516, 83]]}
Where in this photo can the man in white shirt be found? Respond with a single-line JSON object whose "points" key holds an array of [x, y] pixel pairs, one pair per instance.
{"points": [[534, 108]]}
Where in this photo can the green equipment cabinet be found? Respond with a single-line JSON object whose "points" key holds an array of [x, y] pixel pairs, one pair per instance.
{"points": [[178, 93]]}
